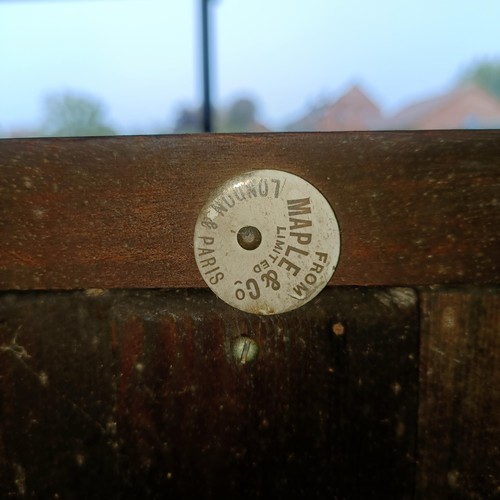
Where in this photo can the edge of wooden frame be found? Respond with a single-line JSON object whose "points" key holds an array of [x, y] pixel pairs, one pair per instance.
{"points": [[414, 208]]}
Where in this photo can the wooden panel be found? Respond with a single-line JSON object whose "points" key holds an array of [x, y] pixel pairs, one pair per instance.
{"points": [[459, 432], [119, 212], [137, 395]]}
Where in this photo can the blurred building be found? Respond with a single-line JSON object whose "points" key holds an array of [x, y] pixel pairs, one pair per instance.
{"points": [[352, 111], [464, 107], [468, 106]]}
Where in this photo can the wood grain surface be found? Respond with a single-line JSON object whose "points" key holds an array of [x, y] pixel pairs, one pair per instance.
{"points": [[138, 394], [459, 424], [413, 207]]}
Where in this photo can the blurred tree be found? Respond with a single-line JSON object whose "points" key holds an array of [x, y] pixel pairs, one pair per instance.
{"points": [[188, 121], [240, 117], [486, 74], [74, 115]]}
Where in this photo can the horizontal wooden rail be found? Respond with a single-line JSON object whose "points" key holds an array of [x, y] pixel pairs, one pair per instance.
{"points": [[414, 208]]}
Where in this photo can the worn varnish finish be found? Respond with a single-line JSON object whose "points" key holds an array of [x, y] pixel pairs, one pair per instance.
{"points": [[128, 394], [413, 207], [459, 431], [136, 395]]}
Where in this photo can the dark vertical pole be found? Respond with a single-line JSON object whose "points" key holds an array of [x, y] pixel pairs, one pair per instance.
{"points": [[205, 41]]}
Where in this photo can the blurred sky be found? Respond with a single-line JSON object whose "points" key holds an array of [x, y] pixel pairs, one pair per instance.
{"points": [[141, 57]]}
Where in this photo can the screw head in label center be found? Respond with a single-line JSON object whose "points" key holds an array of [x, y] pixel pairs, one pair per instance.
{"points": [[249, 237], [267, 242]]}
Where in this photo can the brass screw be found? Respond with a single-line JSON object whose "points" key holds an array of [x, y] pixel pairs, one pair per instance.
{"points": [[245, 350], [338, 329], [249, 237]]}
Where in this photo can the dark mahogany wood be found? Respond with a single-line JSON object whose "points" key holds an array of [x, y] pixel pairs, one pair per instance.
{"points": [[459, 431], [136, 394], [414, 207], [368, 392]]}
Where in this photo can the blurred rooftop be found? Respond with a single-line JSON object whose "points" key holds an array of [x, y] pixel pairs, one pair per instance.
{"points": [[466, 106]]}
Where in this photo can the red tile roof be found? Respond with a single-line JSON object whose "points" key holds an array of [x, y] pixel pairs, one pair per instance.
{"points": [[468, 106], [352, 111]]}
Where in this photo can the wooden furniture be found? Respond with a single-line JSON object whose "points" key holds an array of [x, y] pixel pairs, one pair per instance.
{"points": [[117, 374]]}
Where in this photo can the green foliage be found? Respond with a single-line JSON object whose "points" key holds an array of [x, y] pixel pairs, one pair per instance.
{"points": [[238, 117], [189, 121], [74, 115], [486, 74]]}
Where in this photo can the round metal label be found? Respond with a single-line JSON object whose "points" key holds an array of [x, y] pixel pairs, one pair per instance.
{"points": [[267, 242]]}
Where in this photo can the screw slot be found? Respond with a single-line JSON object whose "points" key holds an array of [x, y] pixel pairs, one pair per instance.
{"points": [[249, 238], [245, 350]]}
